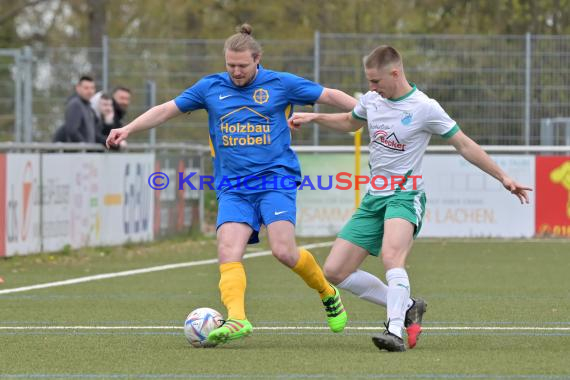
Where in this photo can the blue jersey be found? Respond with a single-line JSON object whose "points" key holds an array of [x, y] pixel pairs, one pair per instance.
{"points": [[249, 135]]}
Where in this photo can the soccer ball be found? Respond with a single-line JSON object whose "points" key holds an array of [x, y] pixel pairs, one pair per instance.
{"points": [[198, 325]]}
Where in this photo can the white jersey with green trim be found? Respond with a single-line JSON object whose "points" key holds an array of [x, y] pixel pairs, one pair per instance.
{"points": [[400, 130]]}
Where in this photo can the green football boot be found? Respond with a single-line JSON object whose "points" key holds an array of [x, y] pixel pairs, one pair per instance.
{"points": [[336, 315], [231, 329]]}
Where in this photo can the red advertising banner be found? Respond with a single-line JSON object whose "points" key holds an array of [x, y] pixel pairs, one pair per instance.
{"points": [[553, 196], [3, 185]]}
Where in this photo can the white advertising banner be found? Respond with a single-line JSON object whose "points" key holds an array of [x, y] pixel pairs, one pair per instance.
{"points": [[127, 204], [22, 204], [96, 199], [463, 201], [71, 200]]}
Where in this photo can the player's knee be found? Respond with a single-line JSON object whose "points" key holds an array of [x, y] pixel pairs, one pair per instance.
{"points": [[284, 254], [392, 258], [333, 274], [228, 252]]}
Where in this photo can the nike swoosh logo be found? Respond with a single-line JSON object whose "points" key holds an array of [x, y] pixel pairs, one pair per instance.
{"points": [[223, 97], [280, 212]]}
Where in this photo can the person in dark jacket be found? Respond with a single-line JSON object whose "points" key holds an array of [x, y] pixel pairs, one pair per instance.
{"points": [[79, 124], [113, 109], [121, 100]]}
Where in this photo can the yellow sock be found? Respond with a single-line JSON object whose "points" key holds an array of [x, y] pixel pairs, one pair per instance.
{"points": [[310, 271], [232, 288]]}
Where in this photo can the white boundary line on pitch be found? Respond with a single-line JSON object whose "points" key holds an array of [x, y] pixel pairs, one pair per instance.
{"points": [[133, 272], [425, 328]]}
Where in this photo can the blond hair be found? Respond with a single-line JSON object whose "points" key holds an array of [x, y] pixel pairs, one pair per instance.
{"points": [[381, 57], [243, 41]]}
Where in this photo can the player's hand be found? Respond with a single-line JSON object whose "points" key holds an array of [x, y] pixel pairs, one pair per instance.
{"points": [[299, 118], [520, 191], [117, 137]]}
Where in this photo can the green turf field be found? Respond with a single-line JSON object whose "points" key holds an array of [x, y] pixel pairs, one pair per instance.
{"points": [[497, 309]]}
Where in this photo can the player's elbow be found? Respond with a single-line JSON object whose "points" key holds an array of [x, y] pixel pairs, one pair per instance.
{"points": [[161, 113], [337, 98], [353, 125]]}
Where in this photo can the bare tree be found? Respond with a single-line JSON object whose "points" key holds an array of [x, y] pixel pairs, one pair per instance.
{"points": [[17, 8]]}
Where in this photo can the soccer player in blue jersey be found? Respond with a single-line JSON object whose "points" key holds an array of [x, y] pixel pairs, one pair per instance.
{"points": [[256, 172]]}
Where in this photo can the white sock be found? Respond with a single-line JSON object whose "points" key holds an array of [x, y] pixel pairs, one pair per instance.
{"points": [[398, 299], [366, 286]]}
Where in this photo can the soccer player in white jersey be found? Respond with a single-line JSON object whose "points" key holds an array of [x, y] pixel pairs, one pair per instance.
{"points": [[401, 119]]}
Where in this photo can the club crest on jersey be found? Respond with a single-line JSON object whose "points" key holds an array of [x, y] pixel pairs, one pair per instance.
{"points": [[389, 141], [406, 119], [260, 96]]}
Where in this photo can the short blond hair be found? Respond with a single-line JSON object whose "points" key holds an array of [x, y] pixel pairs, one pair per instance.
{"points": [[243, 41], [381, 57]]}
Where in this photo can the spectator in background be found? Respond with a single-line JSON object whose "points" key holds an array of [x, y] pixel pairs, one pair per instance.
{"points": [[102, 105], [121, 100], [79, 123]]}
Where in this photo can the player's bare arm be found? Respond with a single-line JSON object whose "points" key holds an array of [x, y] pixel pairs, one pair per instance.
{"points": [[337, 98], [151, 118], [343, 122], [473, 153]]}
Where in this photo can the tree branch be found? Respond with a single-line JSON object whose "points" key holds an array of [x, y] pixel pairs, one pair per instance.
{"points": [[14, 12]]}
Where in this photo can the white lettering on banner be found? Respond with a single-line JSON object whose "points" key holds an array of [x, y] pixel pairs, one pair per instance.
{"points": [[325, 215], [462, 201], [460, 215]]}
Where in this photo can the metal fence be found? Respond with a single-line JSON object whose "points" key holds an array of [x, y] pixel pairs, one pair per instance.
{"points": [[16, 94], [500, 89]]}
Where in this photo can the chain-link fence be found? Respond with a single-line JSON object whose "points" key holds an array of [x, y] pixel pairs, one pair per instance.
{"points": [[8, 98], [16, 94], [56, 71], [498, 88], [175, 65]]}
